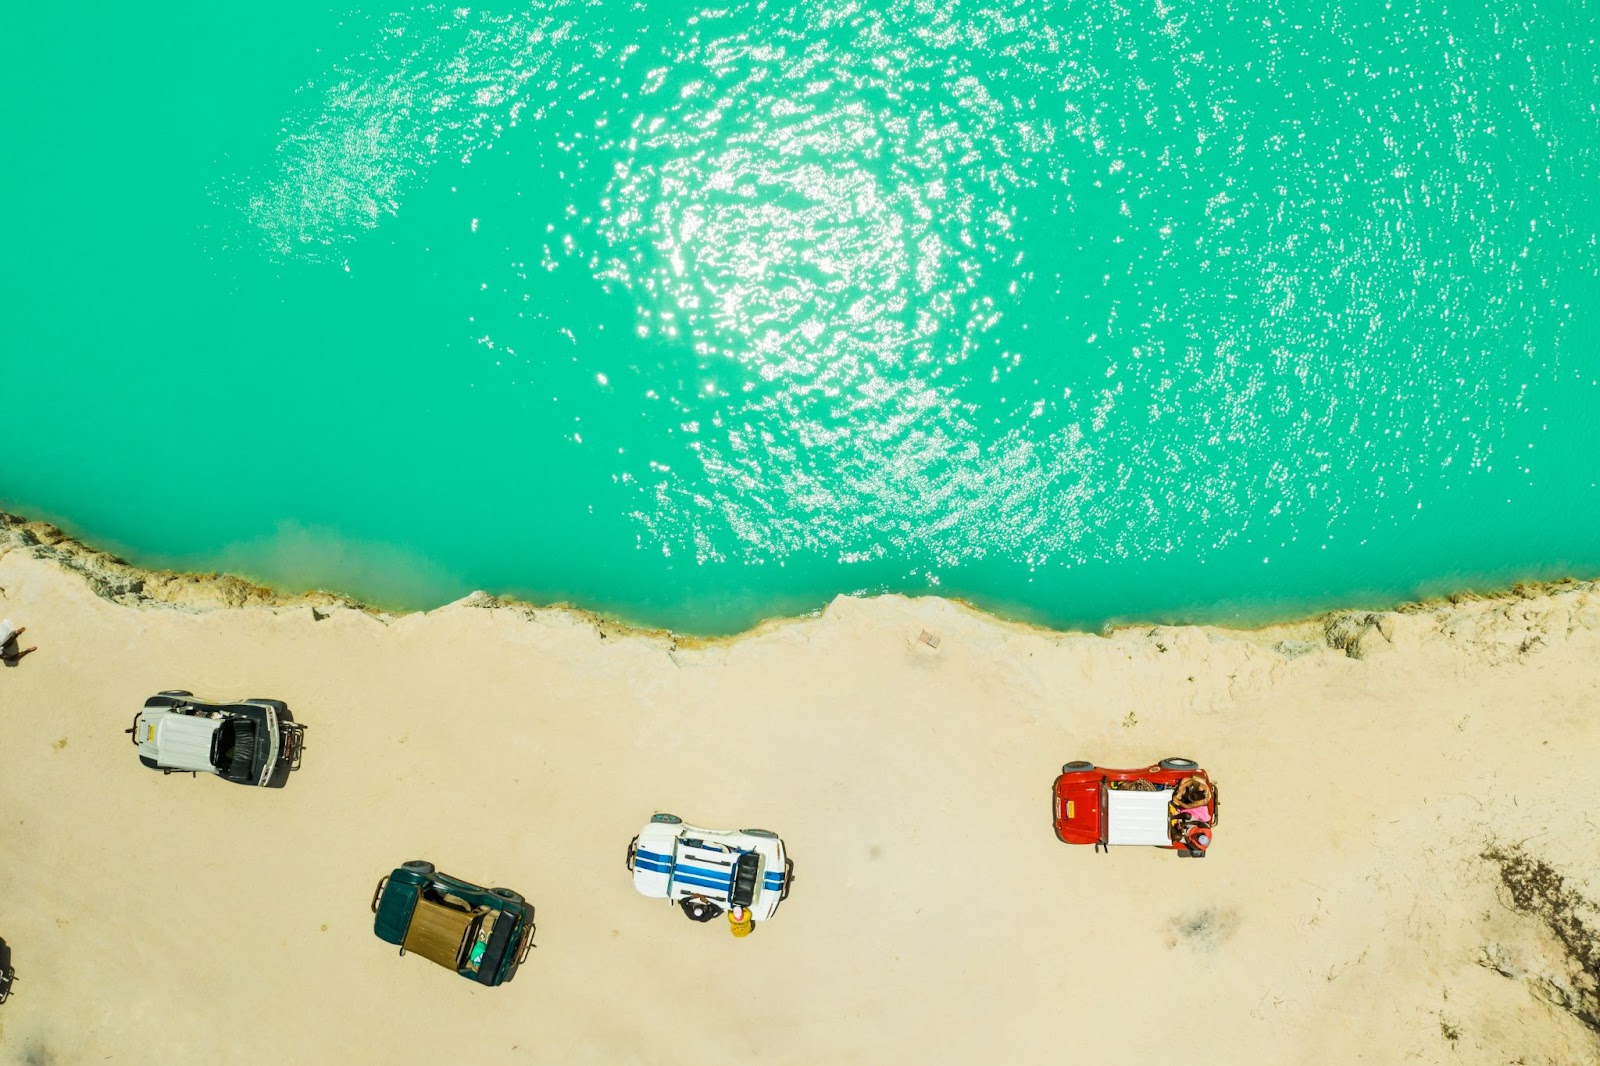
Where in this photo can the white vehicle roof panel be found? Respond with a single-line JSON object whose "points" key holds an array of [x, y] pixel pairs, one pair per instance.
{"points": [[1137, 817], [183, 742], [704, 870]]}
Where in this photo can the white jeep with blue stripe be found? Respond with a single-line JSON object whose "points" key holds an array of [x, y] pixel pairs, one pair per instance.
{"points": [[709, 871]]}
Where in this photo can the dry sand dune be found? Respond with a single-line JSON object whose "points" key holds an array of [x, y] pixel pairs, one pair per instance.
{"points": [[1404, 868]]}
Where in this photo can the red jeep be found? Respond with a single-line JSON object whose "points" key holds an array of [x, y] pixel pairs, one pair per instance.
{"points": [[1172, 804]]}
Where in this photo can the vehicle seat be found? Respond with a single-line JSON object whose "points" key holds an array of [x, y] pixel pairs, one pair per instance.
{"points": [[237, 750], [746, 875]]}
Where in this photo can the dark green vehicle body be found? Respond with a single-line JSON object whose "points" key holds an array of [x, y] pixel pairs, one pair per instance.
{"points": [[482, 933]]}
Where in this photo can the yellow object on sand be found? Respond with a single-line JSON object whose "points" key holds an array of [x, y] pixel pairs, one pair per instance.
{"points": [[740, 926]]}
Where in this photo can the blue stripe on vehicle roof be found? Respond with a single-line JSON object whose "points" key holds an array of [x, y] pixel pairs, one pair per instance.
{"points": [[698, 883], [700, 876]]}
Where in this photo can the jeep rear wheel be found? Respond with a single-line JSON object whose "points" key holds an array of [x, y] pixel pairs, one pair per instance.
{"points": [[508, 895], [1077, 766], [418, 866], [176, 692], [666, 819], [1179, 764]]}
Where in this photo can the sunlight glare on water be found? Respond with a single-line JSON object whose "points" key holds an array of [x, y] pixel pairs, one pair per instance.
{"points": [[704, 314]]}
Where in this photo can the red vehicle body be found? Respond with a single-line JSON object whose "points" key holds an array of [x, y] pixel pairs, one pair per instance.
{"points": [[1100, 806]]}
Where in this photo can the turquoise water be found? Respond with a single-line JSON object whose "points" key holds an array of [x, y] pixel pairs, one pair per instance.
{"points": [[702, 314]]}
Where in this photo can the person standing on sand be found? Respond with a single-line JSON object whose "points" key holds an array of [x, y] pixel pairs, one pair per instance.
{"points": [[9, 633]]}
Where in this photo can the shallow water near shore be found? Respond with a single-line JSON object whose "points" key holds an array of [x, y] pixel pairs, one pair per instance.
{"points": [[698, 316]]}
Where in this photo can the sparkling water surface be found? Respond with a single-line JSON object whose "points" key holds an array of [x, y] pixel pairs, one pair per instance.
{"points": [[699, 315]]}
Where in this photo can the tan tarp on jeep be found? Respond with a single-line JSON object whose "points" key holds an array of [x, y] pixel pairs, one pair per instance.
{"points": [[441, 933]]}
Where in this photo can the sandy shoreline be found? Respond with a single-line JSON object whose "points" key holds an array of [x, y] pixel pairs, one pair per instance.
{"points": [[1367, 763], [115, 579]]}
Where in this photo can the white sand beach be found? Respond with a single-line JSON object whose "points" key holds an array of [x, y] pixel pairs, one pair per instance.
{"points": [[1346, 912]]}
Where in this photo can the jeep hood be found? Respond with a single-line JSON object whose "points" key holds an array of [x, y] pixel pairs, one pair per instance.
{"points": [[177, 741]]}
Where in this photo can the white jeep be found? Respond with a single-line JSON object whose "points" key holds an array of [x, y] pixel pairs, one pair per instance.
{"points": [[248, 742], [708, 871]]}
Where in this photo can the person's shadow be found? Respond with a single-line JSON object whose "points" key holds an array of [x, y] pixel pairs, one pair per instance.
{"points": [[12, 653], [7, 976]]}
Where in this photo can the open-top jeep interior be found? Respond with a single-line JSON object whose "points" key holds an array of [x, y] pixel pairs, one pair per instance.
{"points": [[234, 749]]}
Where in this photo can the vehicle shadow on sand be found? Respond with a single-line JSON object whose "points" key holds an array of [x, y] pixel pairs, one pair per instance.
{"points": [[6, 975]]}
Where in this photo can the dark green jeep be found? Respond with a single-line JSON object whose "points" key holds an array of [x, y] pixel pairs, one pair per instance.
{"points": [[483, 934]]}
